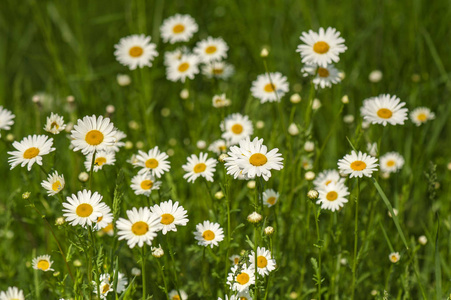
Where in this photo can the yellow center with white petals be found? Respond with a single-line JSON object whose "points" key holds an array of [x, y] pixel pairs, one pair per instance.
{"points": [[236, 260], [394, 258], [211, 49], [31, 153], [140, 228], [43, 265], [151, 163], [167, 219], [218, 71], [390, 163], [108, 228], [183, 67], [94, 137], [176, 297], [84, 210], [269, 88], [208, 235], [332, 196], [321, 47], [136, 51], [422, 117], [243, 278], [262, 262], [105, 288], [56, 186], [199, 168], [54, 125], [146, 184], [179, 28], [100, 161], [237, 128], [323, 72], [257, 159], [384, 113], [271, 200], [358, 165]]}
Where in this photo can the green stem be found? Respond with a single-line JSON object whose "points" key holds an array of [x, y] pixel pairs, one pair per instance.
{"points": [[92, 257], [36, 280], [160, 268], [318, 237], [356, 233], [143, 267], [171, 254], [92, 168]]}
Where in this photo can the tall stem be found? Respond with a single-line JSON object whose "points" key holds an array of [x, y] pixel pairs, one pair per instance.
{"points": [[92, 168], [164, 279], [143, 267], [318, 236], [356, 233]]}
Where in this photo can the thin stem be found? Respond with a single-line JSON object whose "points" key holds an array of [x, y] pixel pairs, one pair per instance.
{"points": [[160, 268], [92, 168], [143, 267], [171, 254], [93, 250], [318, 236], [356, 223]]}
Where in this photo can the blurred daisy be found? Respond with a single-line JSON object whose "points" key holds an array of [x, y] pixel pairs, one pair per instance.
{"points": [[141, 227], [153, 162], [394, 257], [102, 158], [178, 28], [391, 162], [321, 48], [12, 293], [171, 57], [244, 295], [270, 197], [221, 101], [108, 229], [55, 124], [269, 90], [236, 127], [211, 49], [105, 218], [122, 281], [93, 134], [117, 141], [218, 69], [326, 177], [324, 76], [235, 259], [105, 286], [135, 51], [174, 295], [208, 234], [170, 215], [6, 119], [421, 115], [199, 166], [185, 67], [332, 197], [144, 184], [358, 164], [54, 184], [43, 263], [240, 278], [371, 148], [30, 150], [83, 208], [384, 109], [218, 147], [265, 263]]}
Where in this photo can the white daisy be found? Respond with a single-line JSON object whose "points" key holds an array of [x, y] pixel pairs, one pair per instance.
{"points": [[171, 57], [358, 164], [102, 158], [135, 51], [84, 208], [221, 101], [384, 109], [6, 119], [241, 278], [108, 229], [93, 134], [321, 48], [270, 197], [332, 196], [211, 49], [174, 295], [269, 88], [141, 227], [236, 127], [208, 234], [144, 184], [30, 150], [199, 166], [218, 147], [105, 287], [218, 69], [153, 162], [421, 115], [170, 215], [185, 67], [324, 76], [43, 263], [235, 259], [12, 293], [54, 184], [394, 257], [117, 141], [55, 124], [265, 263], [244, 295], [391, 162], [178, 28], [105, 218], [122, 281], [326, 177]]}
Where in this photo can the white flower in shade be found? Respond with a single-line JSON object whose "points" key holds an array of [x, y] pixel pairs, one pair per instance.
{"points": [[84, 208], [235, 259], [265, 263], [253, 159], [218, 69], [171, 215], [357, 164], [236, 127], [173, 56], [240, 278], [6, 119], [105, 218], [122, 281], [178, 28], [54, 184], [221, 101], [55, 124], [199, 166], [174, 295], [208, 234], [43, 263], [211, 49], [371, 148], [324, 76], [12, 293], [394, 257], [93, 134], [185, 67], [332, 197], [384, 109], [218, 147], [141, 227], [270, 197], [269, 88], [117, 141], [144, 184], [326, 177], [102, 158], [321, 48], [30, 150], [391, 162], [105, 287], [135, 51], [421, 115], [153, 162]]}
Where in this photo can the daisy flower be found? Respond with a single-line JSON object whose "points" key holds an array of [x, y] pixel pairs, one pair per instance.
{"points": [[153, 162], [12, 293], [174, 295], [135, 51], [221, 101], [178, 28], [93, 134], [144, 184], [265, 263], [141, 227], [421, 115], [321, 48], [105, 218], [102, 158], [170, 215], [391, 162], [208, 234], [6, 119], [270, 197], [218, 147], [235, 259], [384, 109], [122, 281], [55, 124], [185, 67], [324, 76], [117, 141], [30, 150], [358, 164], [43, 263], [84, 208], [199, 166], [108, 229], [240, 280], [269, 88], [218, 69], [394, 257], [332, 196], [174, 56], [326, 177], [244, 295], [236, 127], [211, 49], [105, 285], [54, 184]]}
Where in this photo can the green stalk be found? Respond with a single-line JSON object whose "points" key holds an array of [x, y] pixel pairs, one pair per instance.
{"points": [[92, 168], [318, 236], [160, 268], [143, 267], [36, 280], [356, 232]]}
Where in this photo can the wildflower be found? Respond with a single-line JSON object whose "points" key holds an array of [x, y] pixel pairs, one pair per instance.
{"points": [[84, 208], [201, 144], [269, 87], [171, 215], [12, 293], [218, 69], [123, 79], [235, 259], [157, 251], [293, 129], [375, 76], [54, 184], [260, 124], [30, 150], [144, 184], [332, 197], [211, 49], [135, 51], [391, 162], [174, 295], [208, 234], [236, 127], [221, 101], [136, 272], [310, 175], [185, 67], [309, 146], [43, 263], [240, 278], [6, 119], [423, 240], [254, 217], [270, 197], [153, 162], [269, 230], [178, 28], [218, 147], [101, 158], [295, 98], [55, 124], [348, 119], [394, 257], [345, 99], [140, 227], [184, 94], [421, 115], [93, 134], [199, 166], [117, 141], [265, 263], [324, 76], [251, 184], [316, 104], [312, 194], [83, 176], [384, 109], [326, 177], [264, 53], [358, 164], [371, 148], [104, 220], [219, 195]]}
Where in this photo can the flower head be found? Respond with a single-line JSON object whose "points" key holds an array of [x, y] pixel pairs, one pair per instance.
{"points": [[211, 49], [384, 109], [421, 115], [55, 124], [43, 263], [208, 234], [358, 164], [93, 134], [54, 184], [140, 227], [178, 28], [199, 166], [265, 263], [30, 150], [269, 87], [135, 51], [171, 215]]}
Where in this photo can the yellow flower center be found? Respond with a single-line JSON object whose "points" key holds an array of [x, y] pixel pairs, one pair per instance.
{"points": [[146, 184], [84, 210], [151, 163], [106, 288], [183, 67], [199, 168], [94, 137], [237, 128], [178, 28], [394, 258], [321, 47], [100, 161], [218, 71], [422, 117], [390, 163], [332, 196], [323, 72], [208, 235], [257, 159], [271, 200], [99, 219], [269, 88], [358, 165], [243, 278], [43, 265], [211, 49], [136, 51], [384, 113], [167, 219], [262, 262], [56, 186], [236, 260], [108, 228], [30, 153], [53, 125], [176, 297], [140, 228]]}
